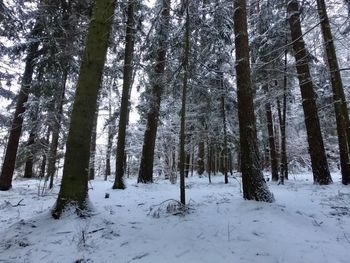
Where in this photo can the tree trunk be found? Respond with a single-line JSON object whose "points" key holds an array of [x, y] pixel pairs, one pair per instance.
{"points": [[223, 113], [8, 166], [254, 185], [147, 157], [44, 156], [127, 83], [272, 146], [282, 117], [109, 137], [28, 169], [93, 146], [52, 156], [200, 158], [183, 107], [74, 185], [340, 106], [314, 136]]}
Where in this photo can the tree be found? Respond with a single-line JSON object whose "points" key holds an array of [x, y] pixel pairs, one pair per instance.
{"points": [[254, 185], [183, 104], [339, 100], [8, 166], [74, 186], [271, 134], [158, 81], [127, 83], [93, 145], [282, 116], [56, 127], [314, 136]]}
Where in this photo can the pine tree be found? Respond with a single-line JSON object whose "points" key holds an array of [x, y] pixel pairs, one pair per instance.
{"points": [[183, 103], [124, 107], [339, 100], [314, 136], [254, 185], [8, 166], [74, 186], [158, 81]]}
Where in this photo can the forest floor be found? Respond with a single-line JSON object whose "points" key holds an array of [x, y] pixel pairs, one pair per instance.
{"points": [[307, 223]]}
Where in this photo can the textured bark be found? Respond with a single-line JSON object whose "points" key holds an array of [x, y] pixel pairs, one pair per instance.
{"points": [[109, 137], [254, 185], [74, 185], [183, 107], [223, 114], [282, 116], [93, 146], [147, 157], [124, 111], [8, 166], [339, 99], [271, 133], [316, 148]]}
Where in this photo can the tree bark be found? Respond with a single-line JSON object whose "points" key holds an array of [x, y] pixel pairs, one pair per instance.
{"points": [[183, 106], [254, 185], [109, 137], [272, 145], [339, 99], [93, 146], [147, 157], [314, 136], [74, 185], [282, 116], [8, 166], [223, 113], [124, 111]]}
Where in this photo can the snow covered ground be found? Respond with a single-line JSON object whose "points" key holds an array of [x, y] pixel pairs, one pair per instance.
{"points": [[307, 223]]}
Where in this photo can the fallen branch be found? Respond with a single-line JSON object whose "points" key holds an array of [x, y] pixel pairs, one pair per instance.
{"points": [[19, 203], [96, 230]]}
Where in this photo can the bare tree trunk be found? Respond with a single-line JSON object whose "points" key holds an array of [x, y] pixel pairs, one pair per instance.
{"points": [[52, 155], [183, 107], [200, 158], [93, 145], [223, 114], [254, 185], [271, 133], [124, 111], [44, 156], [314, 136], [147, 157], [74, 186], [340, 105], [28, 169], [109, 138], [8, 166], [282, 117]]}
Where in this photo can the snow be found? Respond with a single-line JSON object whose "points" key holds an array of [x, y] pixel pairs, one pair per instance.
{"points": [[307, 223]]}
